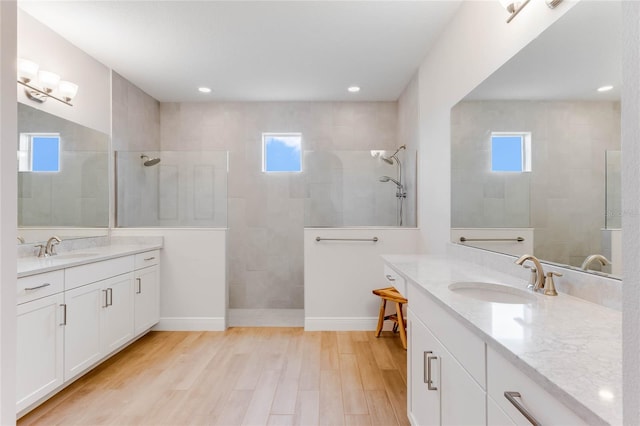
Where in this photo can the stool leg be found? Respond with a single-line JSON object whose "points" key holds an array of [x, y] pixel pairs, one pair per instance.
{"points": [[383, 305], [401, 325]]}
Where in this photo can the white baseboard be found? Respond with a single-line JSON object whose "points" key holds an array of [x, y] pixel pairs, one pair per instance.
{"points": [[340, 323], [191, 324]]}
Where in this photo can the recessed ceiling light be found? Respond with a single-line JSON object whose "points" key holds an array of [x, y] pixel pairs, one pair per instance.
{"points": [[204, 90], [353, 89], [604, 88]]}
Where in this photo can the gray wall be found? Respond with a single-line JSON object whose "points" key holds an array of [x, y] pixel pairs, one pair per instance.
{"points": [[565, 189], [266, 213]]}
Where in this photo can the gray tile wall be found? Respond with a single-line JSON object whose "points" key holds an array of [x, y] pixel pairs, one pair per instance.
{"points": [[563, 197], [266, 213]]}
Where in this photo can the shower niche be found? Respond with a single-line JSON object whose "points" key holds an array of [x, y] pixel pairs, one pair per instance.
{"points": [[171, 188]]}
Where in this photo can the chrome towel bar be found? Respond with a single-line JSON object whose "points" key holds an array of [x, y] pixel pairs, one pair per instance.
{"points": [[373, 240], [519, 239]]}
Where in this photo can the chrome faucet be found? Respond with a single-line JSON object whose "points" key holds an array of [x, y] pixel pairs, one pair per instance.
{"points": [[540, 282], [600, 258], [50, 249]]}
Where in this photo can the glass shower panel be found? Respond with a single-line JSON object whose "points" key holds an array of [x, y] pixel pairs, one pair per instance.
{"points": [[344, 188], [613, 185], [184, 189]]}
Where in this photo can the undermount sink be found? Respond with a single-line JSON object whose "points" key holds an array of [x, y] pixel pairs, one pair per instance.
{"points": [[491, 292], [73, 255]]}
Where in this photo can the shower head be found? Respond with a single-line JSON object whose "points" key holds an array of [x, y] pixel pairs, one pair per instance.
{"points": [[387, 179], [149, 161], [392, 157]]}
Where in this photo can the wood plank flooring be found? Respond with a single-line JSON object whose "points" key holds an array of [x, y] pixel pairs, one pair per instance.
{"points": [[243, 376]]}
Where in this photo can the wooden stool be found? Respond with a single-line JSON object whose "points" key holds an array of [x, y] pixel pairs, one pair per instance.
{"points": [[391, 294]]}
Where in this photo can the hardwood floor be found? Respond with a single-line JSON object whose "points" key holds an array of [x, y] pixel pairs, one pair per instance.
{"points": [[243, 376]]}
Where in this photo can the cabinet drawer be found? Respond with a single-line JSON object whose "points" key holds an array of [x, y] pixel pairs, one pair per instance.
{"points": [[40, 285], [502, 376], [394, 279], [462, 343], [148, 258], [97, 271]]}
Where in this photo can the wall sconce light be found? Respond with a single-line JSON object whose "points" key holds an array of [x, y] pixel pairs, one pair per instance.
{"points": [[514, 6], [47, 84]]}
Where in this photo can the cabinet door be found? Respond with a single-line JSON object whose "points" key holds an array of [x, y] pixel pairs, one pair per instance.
{"points": [[147, 298], [82, 333], [495, 415], [423, 403], [463, 400], [40, 340], [117, 321]]}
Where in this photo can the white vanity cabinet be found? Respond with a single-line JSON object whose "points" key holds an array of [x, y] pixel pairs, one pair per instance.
{"points": [[99, 299], [72, 318], [503, 377], [40, 333], [441, 390], [147, 291]]}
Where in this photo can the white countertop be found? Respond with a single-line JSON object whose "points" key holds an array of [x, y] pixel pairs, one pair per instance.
{"points": [[571, 347], [36, 265]]}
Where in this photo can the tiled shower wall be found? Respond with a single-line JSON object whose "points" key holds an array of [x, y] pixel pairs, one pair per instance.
{"points": [[566, 188], [266, 212]]}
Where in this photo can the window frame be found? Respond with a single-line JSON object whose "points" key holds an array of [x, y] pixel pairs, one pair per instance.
{"points": [[266, 136], [25, 151], [525, 149]]}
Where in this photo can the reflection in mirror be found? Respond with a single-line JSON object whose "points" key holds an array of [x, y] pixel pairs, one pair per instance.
{"points": [[558, 183], [63, 178]]}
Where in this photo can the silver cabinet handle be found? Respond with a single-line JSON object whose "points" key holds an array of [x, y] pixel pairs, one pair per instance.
{"points": [[430, 381], [427, 369], [110, 293], [64, 313], [390, 278], [37, 287], [149, 258], [139, 285], [511, 397], [106, 298]]}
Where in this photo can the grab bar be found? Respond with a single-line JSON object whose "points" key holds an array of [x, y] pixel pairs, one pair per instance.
{"points": [[519, 239], [374, 239]]}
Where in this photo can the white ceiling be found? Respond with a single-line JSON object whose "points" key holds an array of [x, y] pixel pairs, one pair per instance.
{"points": [[569, 61], [254, 50]]}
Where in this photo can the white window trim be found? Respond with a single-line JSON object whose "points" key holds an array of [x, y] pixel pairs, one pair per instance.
{"points": [[526, 149], [25, 151], [266, 135]]}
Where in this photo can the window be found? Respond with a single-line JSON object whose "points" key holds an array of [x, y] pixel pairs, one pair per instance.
{"points": [[281, 152], [510, 152], [39, 152]]}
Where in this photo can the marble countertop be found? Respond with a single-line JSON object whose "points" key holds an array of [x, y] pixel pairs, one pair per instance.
{"points": [[571, 347], [36, 265]]}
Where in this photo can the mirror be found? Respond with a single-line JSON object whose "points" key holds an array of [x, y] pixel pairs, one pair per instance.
{"points": [[535, 147], [63, 182]]}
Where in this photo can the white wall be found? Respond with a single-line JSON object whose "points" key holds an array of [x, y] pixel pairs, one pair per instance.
{"points": [[193, 277], [631, 211], [92, 104], [476, 43], [340, 275], [8, 213]]}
